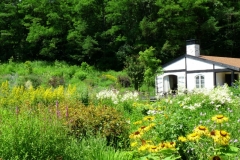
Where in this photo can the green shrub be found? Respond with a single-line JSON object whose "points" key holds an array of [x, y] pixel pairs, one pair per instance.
{"points": [[105, 121], [86, 67], [124, 81], [34, 79], [56, 81], [81, 75], [85, 97], [29, 67]]}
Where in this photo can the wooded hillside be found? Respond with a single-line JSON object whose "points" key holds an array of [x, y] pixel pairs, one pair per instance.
{"points": [[104, 33]]}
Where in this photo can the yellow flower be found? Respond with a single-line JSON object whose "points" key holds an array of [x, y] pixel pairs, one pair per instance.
{"points": [[162, 145], [144, 128], [219, 118], [170, 145], [193, 136], [144, 145], [149, 118], [182, 139], [152, 125], [153, 148], [214, 134], [223, 138], [134, 144], [138, 122], [202, 130], [136, 135], [135, 104]]}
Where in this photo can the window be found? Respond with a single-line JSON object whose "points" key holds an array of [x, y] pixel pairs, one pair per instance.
{"points": [[199, 81]]}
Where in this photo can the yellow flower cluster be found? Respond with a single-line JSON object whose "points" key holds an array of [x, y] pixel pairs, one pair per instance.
{"points": [[150, 147], [19, 95], [138, 137], [220, 137], [110, 77]]}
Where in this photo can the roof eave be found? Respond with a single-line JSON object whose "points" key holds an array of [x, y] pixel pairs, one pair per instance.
{"points": [[214, 62]]}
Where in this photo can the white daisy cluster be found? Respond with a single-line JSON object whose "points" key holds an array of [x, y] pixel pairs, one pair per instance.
{"points": [[154, 112], [218, 96], [116, 97], [108, 95], [221, 94], [192, 107], [130, 96]]}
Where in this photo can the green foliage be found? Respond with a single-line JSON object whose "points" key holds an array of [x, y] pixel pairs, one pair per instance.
{"points": [[124, 81], [81, 75], [31, 136], [135, 70], [84, 97], [35, 80], [103, 33], [29, 67], [86, 67], [95, 148], [56, 81], [93, 116], [106, 121], [151, 65]]}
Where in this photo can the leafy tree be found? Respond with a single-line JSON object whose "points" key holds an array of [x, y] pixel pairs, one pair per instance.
{"points": [[151, 65], [135, 70], [12, 33]]}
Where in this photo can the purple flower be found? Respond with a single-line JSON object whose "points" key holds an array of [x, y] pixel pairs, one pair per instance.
{"points": [[57, 110]]}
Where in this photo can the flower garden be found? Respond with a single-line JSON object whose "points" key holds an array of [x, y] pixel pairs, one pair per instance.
{"points": [[49, 113], [54, 123]]}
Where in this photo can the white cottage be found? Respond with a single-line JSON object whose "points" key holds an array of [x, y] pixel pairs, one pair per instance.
{"points": [[193, 70]]}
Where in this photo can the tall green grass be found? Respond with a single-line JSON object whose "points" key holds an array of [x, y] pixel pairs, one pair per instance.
{"points": [[29, 134]]}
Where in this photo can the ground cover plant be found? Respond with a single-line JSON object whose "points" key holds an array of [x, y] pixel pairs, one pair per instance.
{"points": [[95, 118]]}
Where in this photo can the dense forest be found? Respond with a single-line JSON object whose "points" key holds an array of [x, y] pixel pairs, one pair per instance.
{"points": [[104, 33]]}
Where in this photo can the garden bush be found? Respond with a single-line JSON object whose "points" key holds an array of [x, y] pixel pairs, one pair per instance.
{"points": [[124, 81], [94, 120], [81, 75], [56, 81]]}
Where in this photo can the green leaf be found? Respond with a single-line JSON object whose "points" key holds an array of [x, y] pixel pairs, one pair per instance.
{"points": [[229, 150], [172, 158]]}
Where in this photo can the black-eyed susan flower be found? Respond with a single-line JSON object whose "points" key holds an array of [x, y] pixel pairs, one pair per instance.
{"points": [[148, 118], [219, 118], [182, 139], [153, 148], [214, 135], [137, 122], [144, 128], [193, 136], [136, 135], [162, 145], [144, 146], [170, 145], [202, 130], [152, 125], [223, 138]]}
